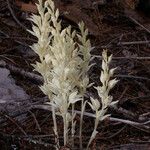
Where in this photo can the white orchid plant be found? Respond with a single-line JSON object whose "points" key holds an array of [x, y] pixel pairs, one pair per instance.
{"points": [[64, 65], [100, 109]]}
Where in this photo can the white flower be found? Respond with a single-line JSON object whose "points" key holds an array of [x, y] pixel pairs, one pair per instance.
{"points": [[112, 83], [95, 104], [47, 58], [74, 97], [111, 71]]}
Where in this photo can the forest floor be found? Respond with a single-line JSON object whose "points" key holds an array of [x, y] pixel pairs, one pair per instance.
{"points": [[121, 27]]}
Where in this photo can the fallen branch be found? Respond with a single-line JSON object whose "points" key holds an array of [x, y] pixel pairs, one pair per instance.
{"points": [[138, 125], [132, 123], [38, 79], [32, 76]]}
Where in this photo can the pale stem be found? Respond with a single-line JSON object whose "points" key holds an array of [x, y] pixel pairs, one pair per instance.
{"points": [[65, 129], [93, 137], [73, 127], [55, 128], [81, 123]]}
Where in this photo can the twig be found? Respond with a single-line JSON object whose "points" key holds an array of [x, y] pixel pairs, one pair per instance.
{"points": [[142, 86], [125, 113], [133, 43], [13, 15], [109, 44], [130, 146], [116, 58], [29, 138], [132, 77], [48, 108], [40, 142], [14, 122], [4, 51], [37, 124], [23, 109], [135, 21], [116, 133], [132, 123], [123, 93], [6, 36], [135, 99], [20, 38]]}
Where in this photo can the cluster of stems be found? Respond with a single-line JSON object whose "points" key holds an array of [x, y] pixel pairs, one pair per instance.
{"points": [[64, 64], [64, 58]]}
